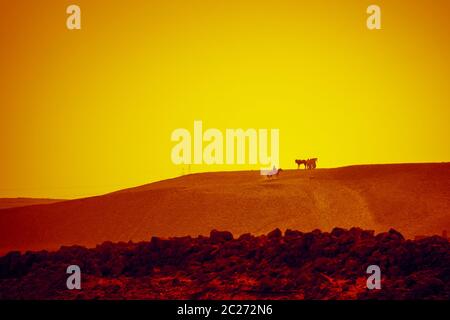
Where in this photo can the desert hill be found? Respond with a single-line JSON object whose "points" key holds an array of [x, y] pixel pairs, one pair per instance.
{"points": [[412, 198], [6, 203]]}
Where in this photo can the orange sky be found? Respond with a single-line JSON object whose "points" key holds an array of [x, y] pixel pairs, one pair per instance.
{"points": [[91, 111]]}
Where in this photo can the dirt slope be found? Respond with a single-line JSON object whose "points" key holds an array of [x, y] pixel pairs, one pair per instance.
{"points": [[412, 198], [6, 203]]}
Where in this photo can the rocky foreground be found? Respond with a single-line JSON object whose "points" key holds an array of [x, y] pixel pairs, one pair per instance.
{"points": [[296, 265]]}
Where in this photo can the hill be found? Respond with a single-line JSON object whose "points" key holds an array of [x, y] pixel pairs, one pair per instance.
{"points": [[412, 198], [6, 203]]}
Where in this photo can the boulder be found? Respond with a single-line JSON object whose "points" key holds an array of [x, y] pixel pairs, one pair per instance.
{"points": [[220, 236], [275, 234]]}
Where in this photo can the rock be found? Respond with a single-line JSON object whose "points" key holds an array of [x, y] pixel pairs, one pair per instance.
{"points": [[356, 232], [395, 234], [363, 249], [156, 242], [337, 232], [220, 236], [246, 237], [367, 234], [292, 234], [275, 234], [391, 235], [182, 241], [427, 286]]}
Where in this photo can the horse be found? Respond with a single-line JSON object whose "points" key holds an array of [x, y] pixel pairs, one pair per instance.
{"points": [[311, 163], [299, 162]]}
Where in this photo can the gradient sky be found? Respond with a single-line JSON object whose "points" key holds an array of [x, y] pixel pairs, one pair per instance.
{"points": [[91, 111]]}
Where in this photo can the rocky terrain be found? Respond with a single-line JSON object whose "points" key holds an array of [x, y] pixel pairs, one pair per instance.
{"points": [[293, 265]]}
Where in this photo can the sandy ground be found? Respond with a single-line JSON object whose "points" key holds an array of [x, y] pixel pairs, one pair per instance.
{"points": [[412, 198]]}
